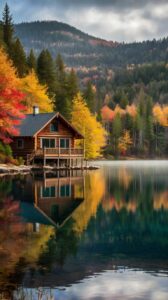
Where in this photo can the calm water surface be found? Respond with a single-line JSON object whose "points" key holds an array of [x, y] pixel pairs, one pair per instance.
{"points": [[98, 235]]}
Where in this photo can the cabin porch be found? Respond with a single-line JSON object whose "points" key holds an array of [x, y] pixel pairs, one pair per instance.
{"points": [[60, 157]]}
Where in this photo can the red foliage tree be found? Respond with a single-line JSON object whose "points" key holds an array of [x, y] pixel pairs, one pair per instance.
{"points": [[11, 99]]}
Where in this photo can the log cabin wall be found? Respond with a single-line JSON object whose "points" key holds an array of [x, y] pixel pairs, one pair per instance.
{"points": [[28, 146], [63, 132]]}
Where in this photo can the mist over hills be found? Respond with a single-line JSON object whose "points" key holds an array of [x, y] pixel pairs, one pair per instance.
{"points": [[82, 50]]}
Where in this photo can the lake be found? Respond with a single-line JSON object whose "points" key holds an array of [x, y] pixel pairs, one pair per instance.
{"points": [[96, 235]]}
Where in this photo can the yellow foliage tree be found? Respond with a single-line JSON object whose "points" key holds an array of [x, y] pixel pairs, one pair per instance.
{"points": [[161, 114], [86, 123], [36, 93], [124, 142], [7, 72]]}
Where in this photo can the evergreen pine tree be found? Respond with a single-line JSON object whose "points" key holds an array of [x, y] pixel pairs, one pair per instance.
{"points": [[62, 102], [19, 58], [7, 26], [72, 85], [149, 125], [1, 34], [31, 60], [45, 71], [60, 68], [116, 132], [89, 96], [124, 100]]}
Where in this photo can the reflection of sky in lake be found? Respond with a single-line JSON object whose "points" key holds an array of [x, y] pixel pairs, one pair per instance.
{"points": [[110, 285]]}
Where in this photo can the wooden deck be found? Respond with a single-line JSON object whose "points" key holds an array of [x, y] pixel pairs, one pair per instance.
{"points": [[56, 153], [59, 152]]}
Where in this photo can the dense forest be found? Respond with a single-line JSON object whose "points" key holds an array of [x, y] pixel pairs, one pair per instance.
{"points": [[129, 99]]}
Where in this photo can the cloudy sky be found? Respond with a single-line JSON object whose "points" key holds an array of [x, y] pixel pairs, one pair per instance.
{"points": [[119, 20]]}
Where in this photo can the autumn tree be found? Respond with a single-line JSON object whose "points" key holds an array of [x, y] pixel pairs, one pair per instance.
{"points": [[86, 123], [11, 99], [125, 142], [160, 113], [35, 93]]}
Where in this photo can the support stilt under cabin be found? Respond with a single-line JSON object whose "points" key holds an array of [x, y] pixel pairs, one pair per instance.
{"points": [[61, 162], [48, 138]]}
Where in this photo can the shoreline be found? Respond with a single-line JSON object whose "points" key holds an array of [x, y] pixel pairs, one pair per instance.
{"points": [[6, 169], [12, 170]]}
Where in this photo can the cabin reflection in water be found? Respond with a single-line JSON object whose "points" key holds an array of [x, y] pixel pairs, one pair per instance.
{"points": [[55, 199]]}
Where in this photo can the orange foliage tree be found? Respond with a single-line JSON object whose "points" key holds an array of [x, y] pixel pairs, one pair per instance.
{"points": [[107, 113], [11, 107]]}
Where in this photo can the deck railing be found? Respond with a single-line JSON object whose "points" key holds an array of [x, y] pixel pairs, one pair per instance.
{"points": [[59, 152]]}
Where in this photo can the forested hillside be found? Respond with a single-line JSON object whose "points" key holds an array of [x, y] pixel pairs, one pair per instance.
{"points": [[80, 49], [125, 84]]}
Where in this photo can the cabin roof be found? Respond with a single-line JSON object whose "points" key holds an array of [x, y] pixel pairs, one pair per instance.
{"points": [[32, 124]]}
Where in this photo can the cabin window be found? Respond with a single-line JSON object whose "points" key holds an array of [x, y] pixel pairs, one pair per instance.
{"points": [[65, 191], [64, 143], [54, 126], [20, 144], [48, 143], [48, 192]]}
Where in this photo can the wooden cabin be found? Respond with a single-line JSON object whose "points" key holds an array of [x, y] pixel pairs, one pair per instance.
{"points": [[48, 137]]}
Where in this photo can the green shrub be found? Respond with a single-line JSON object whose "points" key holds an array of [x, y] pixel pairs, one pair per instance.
{"points": [[21, 161], [2, 148], [8, 150]]}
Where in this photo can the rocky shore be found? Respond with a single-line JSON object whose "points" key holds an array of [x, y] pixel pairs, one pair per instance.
{"points": [[15, 170]]}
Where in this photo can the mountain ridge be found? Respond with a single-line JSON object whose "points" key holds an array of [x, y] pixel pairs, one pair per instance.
{"points": [[81, 49]]}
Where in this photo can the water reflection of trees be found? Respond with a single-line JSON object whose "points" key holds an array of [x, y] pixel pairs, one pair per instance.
{"points": [[133, 218], [94, 192], [127, 233], [132, 190]]}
